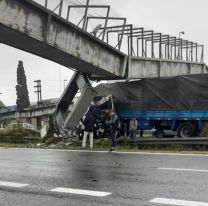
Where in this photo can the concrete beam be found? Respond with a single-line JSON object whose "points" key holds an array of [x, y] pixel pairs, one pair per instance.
{"points": [[151, 68], [28, 26]]}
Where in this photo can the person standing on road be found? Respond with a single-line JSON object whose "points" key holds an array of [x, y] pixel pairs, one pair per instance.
{"points": [[113, 124], [89, 126], [133, 124]]}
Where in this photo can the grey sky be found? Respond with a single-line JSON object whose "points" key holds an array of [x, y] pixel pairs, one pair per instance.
{"points": [[166, 16]]}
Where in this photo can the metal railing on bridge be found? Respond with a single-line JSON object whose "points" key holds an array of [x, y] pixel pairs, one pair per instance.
{"points": [[134, 41]]}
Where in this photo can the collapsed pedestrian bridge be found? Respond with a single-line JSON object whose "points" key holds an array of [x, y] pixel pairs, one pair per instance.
{"points": [[109, 51]]}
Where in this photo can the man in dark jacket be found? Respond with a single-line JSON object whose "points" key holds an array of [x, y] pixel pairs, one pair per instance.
{"points": [[89, 124], [114, 128]]}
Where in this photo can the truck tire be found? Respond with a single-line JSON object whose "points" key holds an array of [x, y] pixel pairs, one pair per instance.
{"points": [[185, 130], [159, 134]]}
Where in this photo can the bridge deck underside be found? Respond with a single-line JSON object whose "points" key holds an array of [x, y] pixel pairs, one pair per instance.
{"points": [[30, 27], [15, 39]]}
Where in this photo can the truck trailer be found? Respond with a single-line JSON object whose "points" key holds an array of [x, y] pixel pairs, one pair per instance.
{"points": [[177, 103]]}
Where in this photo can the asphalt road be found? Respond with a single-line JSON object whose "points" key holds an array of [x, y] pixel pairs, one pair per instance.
{"points": [[45, 177]]}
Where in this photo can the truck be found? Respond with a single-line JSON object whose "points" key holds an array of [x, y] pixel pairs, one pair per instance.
{"points": [[178, 103]]}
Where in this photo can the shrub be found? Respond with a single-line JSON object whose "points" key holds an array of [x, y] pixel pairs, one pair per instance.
{"points": [[122, 140], [103, 143], [16, 133], [204, 132], [52, 140]]}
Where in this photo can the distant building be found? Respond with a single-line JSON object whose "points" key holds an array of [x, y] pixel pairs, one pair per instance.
{"points": [[37, 116]]}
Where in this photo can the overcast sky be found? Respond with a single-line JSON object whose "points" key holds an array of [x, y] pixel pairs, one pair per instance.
{"points": [[166, 16]]}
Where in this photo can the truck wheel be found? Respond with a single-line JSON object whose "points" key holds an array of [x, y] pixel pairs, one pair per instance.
{"points": [[159, 134], [186, 130]]}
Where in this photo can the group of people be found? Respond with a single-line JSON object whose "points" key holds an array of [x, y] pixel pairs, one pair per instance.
{"points": [[113, 124], [89, 123]]}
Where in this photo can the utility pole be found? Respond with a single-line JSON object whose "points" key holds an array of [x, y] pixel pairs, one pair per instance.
{"points": [[38, 91]]}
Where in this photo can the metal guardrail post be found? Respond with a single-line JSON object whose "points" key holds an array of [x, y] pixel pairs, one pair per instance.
{"points": [[60, 7], [84, 26], [191, 51], [160, 47], [175, 47], [152, 45], [130, 42], [165, 51], [168, 46], [46, 3], [196, 52], [81, 21], [142, 42], [202, 54], [106, 23], [137, 46], [186, 50], [68, 11], [124, 24], [181, 49]]}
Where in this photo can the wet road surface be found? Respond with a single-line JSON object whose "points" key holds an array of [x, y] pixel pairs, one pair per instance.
{"points": [[51, 177]]}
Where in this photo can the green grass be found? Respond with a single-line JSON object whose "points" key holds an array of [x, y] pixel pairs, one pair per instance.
{"points": [[100, 144], [204, 132]]}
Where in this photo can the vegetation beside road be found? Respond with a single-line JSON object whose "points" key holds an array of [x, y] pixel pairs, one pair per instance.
{"points": [[204, 132], [99, 144], [17, 136]]}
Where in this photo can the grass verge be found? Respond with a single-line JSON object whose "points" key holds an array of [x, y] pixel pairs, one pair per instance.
{"points": [[100, 144]]}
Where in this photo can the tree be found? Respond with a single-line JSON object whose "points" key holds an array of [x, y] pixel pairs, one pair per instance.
{"points": [[21, 88], [1, 104]]}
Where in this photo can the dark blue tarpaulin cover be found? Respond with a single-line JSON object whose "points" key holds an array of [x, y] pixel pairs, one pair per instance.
{"points": [[188, 92]]}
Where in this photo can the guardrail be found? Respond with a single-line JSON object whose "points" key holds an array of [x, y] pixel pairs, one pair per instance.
{"points": [[169, 141]]}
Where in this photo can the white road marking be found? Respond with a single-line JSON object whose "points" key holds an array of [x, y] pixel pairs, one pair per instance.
{"points": [[167, 201], [12, 184], [81, 192], [181, 169]]}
